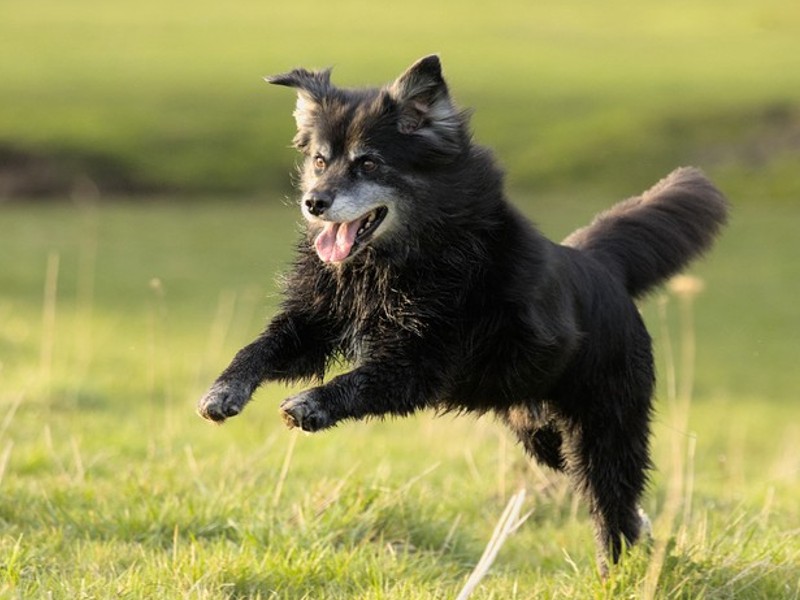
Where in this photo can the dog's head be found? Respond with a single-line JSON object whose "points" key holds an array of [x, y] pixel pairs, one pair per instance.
{"points": [[365, 149]]}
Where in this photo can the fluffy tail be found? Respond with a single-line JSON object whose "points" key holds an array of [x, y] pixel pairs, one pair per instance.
{"points": [[648, 238]]}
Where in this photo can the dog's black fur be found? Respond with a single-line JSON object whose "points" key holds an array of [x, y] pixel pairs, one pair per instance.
{"points": [[461, 304]]}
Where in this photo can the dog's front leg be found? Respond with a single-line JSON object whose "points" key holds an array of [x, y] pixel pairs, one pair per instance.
{"points": [[291, 348], [369, 390]]}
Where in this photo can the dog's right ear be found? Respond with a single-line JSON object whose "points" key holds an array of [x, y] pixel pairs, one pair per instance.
{"points": [[311, 86]]}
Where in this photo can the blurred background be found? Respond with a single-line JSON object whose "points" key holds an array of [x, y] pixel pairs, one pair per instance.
{"points": [[146, 212], [167, 96], [157, 110]]}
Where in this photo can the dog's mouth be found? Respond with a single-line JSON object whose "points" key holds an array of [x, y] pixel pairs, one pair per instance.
{"points": [[338, 241]]}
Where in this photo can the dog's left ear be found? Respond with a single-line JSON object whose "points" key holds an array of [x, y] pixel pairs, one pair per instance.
{"points": [[421, 94], [311, 86]]}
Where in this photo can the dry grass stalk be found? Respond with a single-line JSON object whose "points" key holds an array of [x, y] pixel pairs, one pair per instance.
{"points": [[507, 524], [679, 397]]}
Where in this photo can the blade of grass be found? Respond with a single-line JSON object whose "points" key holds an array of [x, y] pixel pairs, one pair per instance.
{"points": [[508, 523]]}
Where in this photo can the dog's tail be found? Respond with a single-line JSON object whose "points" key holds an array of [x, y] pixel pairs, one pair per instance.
{"points": [[648, 238]]}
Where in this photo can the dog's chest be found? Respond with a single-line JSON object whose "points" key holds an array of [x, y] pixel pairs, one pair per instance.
{"points": [[373, 318]]}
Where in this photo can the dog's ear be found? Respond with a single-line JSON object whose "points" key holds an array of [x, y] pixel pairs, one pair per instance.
{"points": [[421, 93], [311, 86], [425, 106]]}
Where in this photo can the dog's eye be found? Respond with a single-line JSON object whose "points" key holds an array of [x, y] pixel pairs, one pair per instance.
{"points": [[368, 165], [319, 163]]}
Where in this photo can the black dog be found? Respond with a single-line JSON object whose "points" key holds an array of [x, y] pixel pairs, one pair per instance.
{"points": [[417, 270]]}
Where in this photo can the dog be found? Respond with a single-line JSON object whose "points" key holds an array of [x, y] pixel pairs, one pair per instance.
{"points": [[416, 270]]}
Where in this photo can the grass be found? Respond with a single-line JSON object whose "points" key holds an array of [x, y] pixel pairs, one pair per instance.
{"points": [[115, 317], [169, 96]]}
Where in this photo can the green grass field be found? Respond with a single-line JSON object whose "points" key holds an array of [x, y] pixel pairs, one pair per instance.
{"points": [[116, 315]]}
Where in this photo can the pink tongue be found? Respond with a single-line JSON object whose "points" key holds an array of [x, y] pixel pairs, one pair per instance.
{"points": [[334, 242]]}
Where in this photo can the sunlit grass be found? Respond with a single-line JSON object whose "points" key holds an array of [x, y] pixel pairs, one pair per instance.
{"points": [[115, 318]]}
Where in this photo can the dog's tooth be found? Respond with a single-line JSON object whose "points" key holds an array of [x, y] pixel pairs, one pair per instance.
{"points": [[368, 222]]}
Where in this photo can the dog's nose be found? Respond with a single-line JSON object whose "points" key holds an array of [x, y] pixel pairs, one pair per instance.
{"points": [[317, 202]]}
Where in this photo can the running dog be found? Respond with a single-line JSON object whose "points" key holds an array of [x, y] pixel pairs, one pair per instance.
{"points": [[416, 270]]}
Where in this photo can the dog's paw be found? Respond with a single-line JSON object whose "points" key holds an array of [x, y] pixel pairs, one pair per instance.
{"points": [[224, 399], [306, 412]]}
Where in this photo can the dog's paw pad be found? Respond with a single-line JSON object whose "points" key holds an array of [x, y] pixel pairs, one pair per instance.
{"points": [[290, 419], [305, 411], [223, 400]]}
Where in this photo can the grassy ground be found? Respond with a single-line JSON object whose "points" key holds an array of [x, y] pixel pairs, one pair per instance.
{"points": [[114, 318], [168, 94]]}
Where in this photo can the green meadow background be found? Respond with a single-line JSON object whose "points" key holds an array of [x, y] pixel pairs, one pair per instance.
{"points": [[146, 213]]}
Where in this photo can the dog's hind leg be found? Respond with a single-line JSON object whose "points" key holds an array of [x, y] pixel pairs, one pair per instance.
{"points": [[609, 459], [542, 439], [545, 444]]}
